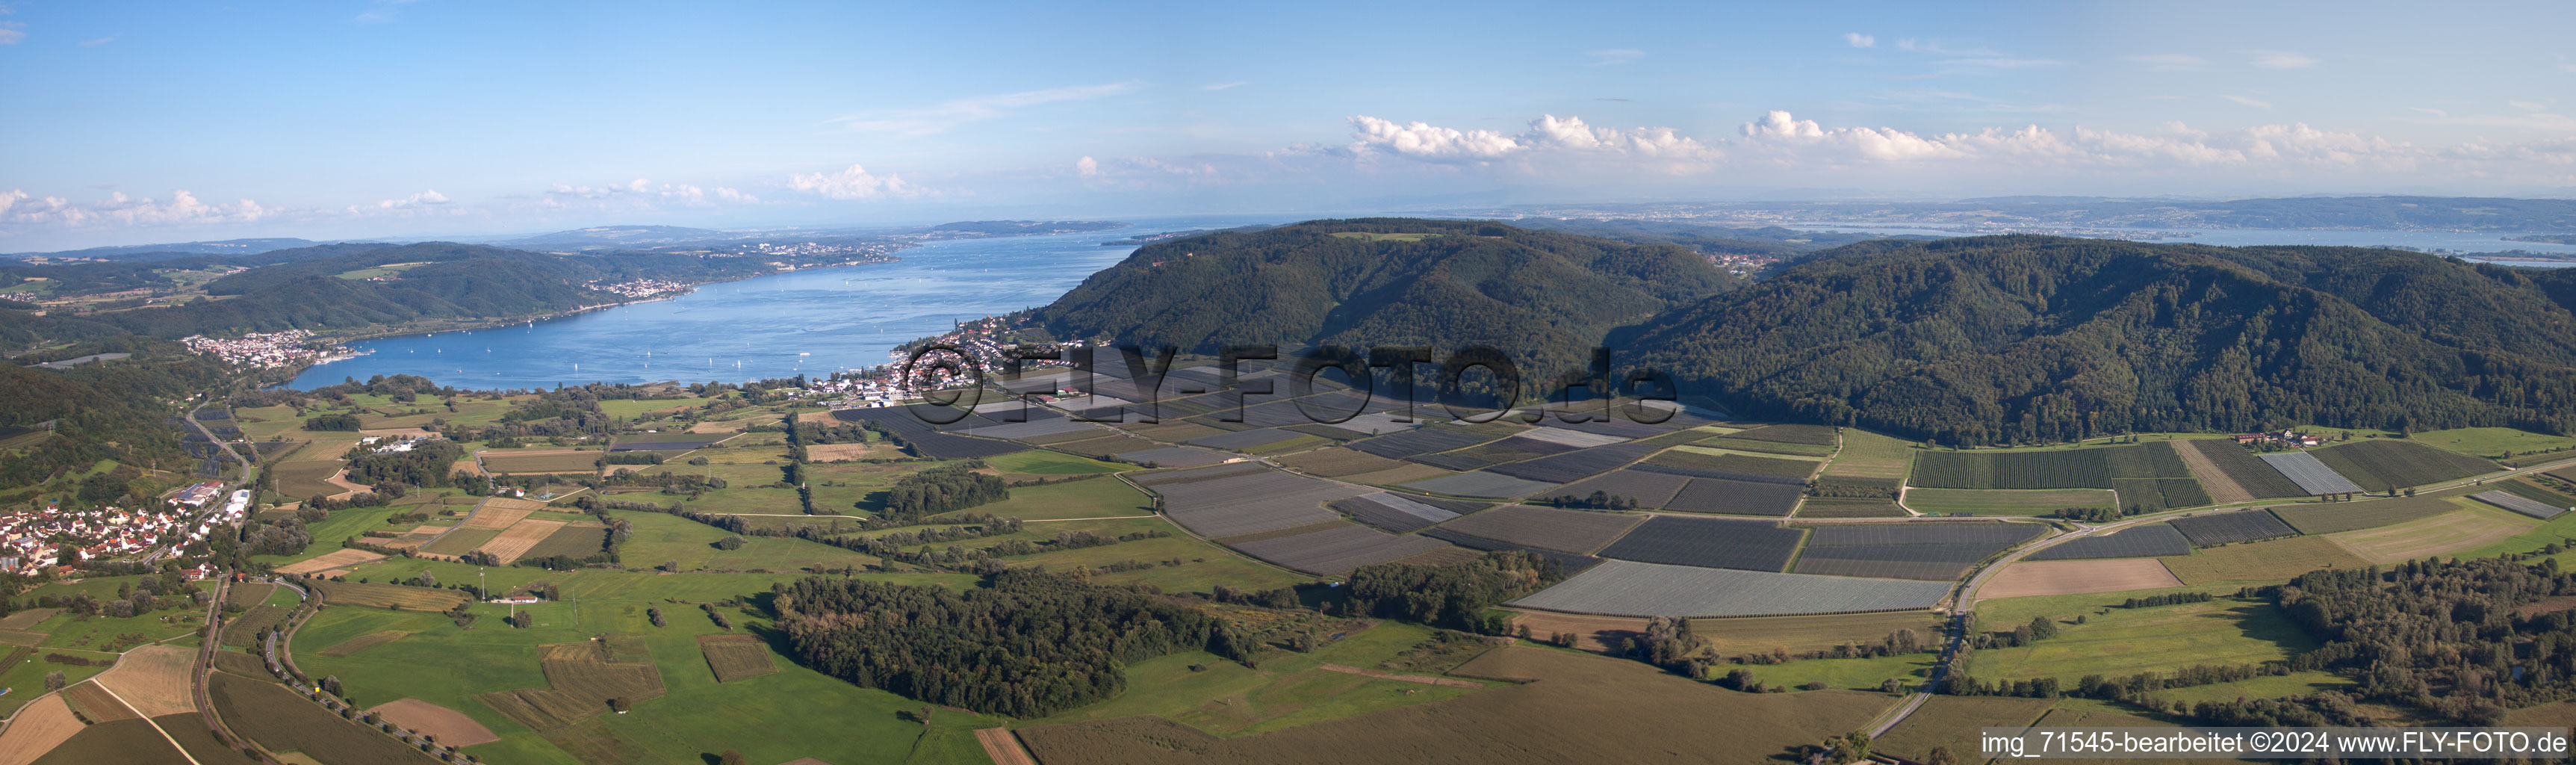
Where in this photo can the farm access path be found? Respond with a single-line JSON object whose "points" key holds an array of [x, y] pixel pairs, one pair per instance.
{"points": [[1964, 602]]}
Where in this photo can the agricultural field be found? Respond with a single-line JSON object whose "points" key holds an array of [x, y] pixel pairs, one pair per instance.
{"points": [[2223, 631], [2518, 503], [389, 596], [1647, 490], [2005, 501], [1247, 503], [1870, 455], [1722, 465], [2331, 517], [1928, 551], [2151, 540], [1338, 550], [1849, 507], [1050, 464], [1334, 462], [1954, 722], [737, 657], [281, 720], [1710, 542], [541, 460], [1572, 531], [2053, 469], [1623, 588], [1392, 512], [1482, 484], [2272, 561], [1731, 497], [2072, 577], [2493, 443], [2436, 535], [1288, 691], [2382, 464], [1603, 709], [2212, 529], [1576, 465]]}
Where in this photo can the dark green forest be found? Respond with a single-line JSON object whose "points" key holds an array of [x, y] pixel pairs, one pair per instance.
{"points": [[1545, 298]]}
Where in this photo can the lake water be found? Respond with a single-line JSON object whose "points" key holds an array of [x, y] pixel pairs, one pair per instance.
{"points": [[823, 320], [814, 321]]}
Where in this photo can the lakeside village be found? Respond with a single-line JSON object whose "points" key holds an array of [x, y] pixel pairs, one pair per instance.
{"points": [[271, 350], [54, 539]]}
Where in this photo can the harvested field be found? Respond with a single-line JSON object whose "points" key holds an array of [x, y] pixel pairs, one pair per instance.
{"points": [[1624, 588], [580, 679], [498, 513], [2149, 541], [2222, 488], [516, 540], [1816, 435], [2055, 469], [130, 741], [580, 539], [1710, 542], [2209, 529], [28, 618], [1849, 507], [460, 541], [2233, 464], [304, 479], [1338, 550], [1572, 531], [352, 646], [334, 559], [1930, 551], [242, 664], [2273, 561], [735, 657], [1579, 708], [451, 727], [2071, 577], [1392, 512], [540, 461], [2438, 535], [245, 628], [1647, 490], [379, 595], [2312, 476], [1253, 502], [2383, 464], [999, 746], [36, 729], [1337, 461], [2519, 504], [1484, 484], [1731, 497], [1869, 455], [153, 678], [97, 704], [2331, 517], [282, 720]]}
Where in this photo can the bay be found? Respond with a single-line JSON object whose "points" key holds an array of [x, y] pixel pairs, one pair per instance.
{"points": [[810, 321]]}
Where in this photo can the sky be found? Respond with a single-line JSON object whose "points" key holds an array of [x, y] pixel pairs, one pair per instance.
{"points": [[155, 122]]}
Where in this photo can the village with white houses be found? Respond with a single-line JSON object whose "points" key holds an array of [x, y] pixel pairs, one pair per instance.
{"points": [[53, 539], [258, 350]]}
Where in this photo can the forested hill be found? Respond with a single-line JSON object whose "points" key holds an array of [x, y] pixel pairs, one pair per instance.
{"points": [[1988, 340], [316, 288], [1544, 297]]}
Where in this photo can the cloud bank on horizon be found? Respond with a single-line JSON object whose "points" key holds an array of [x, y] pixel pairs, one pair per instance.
{"points": [[1033, 116]]}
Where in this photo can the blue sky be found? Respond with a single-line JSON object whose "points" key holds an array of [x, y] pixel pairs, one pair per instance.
{"points": [[154, 122]]}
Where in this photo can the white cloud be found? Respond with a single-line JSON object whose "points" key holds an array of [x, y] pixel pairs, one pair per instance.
{"points": [[854, 182], [17, 207], [1859, 40], [642, 191], [1549, 140], [1608, 56], [1420, 140], [11, 32], [425, 201], [1087, 167], [2170, 62], [949, 114], [2247, 101], [2280, 59], [1225, 85]]}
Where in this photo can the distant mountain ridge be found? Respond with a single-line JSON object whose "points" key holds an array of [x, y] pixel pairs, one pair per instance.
{"points": [[227, 247]]}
